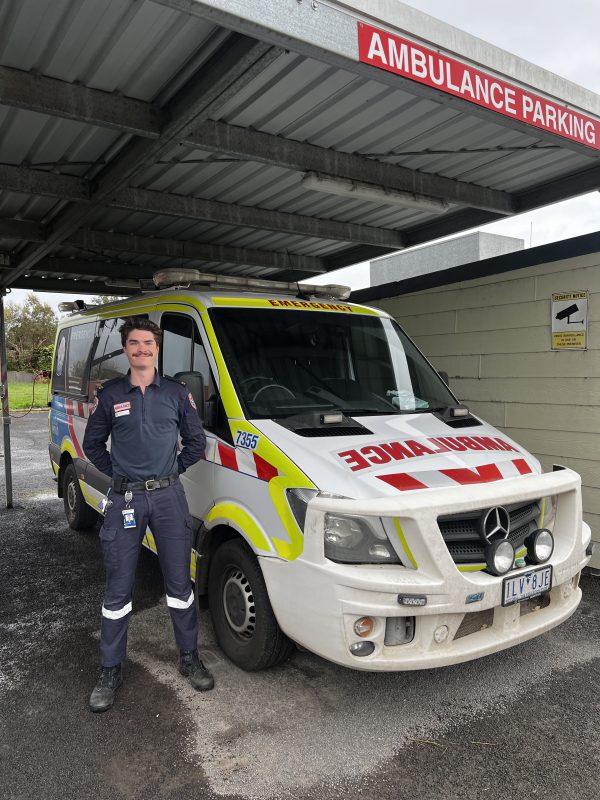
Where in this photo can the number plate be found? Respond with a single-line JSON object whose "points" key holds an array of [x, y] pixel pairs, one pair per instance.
{"points": [[526, 585]]}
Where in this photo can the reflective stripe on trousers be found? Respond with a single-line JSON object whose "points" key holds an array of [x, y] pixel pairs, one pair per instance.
{"points": [[166, 511]]}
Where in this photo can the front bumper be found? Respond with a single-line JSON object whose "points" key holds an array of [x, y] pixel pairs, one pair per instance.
{"points": [[317, 601]]}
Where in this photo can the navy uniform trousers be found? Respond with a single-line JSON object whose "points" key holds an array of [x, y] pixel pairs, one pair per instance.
{"points": [[166, 511]]}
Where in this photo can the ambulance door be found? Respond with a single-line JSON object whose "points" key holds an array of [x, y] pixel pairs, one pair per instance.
{"points": [[183, 357]]}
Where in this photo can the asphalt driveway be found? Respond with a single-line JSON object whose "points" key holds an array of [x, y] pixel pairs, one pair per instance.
{"points": [[519, 724]]}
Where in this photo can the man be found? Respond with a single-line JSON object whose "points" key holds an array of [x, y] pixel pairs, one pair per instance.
{"points": [[144, 414]]}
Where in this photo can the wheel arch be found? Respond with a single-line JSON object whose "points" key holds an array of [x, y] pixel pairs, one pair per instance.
{"points": [[206, 543], [65, 460]]}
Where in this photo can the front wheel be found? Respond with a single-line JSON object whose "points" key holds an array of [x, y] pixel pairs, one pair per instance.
{"points": [[79, 515], [243, 619]]}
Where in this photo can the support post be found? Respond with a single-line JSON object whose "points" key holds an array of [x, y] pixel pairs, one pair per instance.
{"points": [[5, 414]]}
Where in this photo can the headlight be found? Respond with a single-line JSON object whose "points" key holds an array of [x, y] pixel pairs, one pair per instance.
{"points": [[357, 540]]}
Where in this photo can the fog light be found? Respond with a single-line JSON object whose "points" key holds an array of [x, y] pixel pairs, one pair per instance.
{"points": [[441, 634], [362, 648], [540, 546], [500, 557], [364, 626]]}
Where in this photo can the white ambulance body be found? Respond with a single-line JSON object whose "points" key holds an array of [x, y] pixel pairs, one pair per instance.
{"points": [[347, 502]]}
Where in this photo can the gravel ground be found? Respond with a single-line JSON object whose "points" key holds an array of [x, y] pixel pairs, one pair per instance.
{"points": [[520, 723]]}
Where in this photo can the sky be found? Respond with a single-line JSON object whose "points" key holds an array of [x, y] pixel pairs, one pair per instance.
{"points": [[558, 36]]}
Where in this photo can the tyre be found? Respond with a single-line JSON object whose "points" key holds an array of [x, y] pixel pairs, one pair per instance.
{"points": [[79, 515], [244, 623]]}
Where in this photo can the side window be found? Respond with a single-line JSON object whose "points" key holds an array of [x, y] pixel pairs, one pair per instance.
{"points": [[183, 356], [78, 358], [200, 364], [60, 362], [176, 344], [108, 359]]}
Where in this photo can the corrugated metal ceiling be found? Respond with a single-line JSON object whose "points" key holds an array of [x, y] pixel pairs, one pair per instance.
{"points": [[150, 52]]}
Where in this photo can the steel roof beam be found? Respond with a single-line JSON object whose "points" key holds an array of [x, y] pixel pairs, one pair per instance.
{"points": [[170, 248], [268, 149], [42, 182], [75, 285], [22, 179], [96, 267], [177, 205], [19, 229], [134, 116], [237, 63], [559, 189], [122, 269], [34, 92], [449, 224], [196, 251]]}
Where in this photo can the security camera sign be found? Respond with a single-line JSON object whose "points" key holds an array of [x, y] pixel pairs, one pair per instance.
{"points": [[569, 320]]}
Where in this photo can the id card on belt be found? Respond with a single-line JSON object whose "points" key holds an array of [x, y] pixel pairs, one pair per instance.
{"points": [[128, 517]]}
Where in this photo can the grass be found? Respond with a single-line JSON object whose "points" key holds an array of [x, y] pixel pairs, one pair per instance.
{"points": [[20, 395]]}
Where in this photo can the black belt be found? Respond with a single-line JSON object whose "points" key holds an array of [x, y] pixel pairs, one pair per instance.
{"points": [[121, 485]]}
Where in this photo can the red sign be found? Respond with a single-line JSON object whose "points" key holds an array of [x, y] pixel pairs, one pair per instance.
{"points": [[403, 57]]}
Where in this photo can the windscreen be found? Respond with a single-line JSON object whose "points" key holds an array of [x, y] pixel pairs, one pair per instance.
{"points": [[287, 362]]}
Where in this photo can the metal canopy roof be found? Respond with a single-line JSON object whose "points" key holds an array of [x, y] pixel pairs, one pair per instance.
{"points": [[138, 134]]}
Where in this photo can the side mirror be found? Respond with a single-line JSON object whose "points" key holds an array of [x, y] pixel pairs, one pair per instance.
{"points": [[195, 385], [444, 376]]}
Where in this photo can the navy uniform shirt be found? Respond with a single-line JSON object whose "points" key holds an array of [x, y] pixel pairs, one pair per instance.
{"points": [[144, 429]]}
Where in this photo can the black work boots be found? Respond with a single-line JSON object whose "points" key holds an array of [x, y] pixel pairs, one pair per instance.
{"points": [[103, 695], [192, 667]]}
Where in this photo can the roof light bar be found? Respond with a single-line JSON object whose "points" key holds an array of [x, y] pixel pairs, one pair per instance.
{"points": [[168, 278], [373, 192]]}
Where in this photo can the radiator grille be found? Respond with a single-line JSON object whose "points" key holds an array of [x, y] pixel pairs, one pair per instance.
{"points": [[462, 537]]}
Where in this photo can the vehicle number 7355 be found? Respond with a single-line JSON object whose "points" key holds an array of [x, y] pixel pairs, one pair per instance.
{"points": [[249, 441]]}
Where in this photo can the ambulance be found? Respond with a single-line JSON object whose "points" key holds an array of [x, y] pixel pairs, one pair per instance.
{"points": [[348, 503]]}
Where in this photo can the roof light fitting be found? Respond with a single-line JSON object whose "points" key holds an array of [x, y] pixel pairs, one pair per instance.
{"points": [[166, 278], [74, 306], [124, 283], [370, 191]]}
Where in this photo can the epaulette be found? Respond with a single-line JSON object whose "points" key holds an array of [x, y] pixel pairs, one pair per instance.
{"points": [[102, 386], [174, 380]]}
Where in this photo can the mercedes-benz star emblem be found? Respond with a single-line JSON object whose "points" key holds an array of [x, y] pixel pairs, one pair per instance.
{"points": [[495, 524]]}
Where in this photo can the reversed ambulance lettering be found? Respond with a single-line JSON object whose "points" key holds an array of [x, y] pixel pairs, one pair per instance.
{"points": [[387, 452]]}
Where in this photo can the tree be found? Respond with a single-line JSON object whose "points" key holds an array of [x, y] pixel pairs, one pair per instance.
{"points": [[30, 329]]}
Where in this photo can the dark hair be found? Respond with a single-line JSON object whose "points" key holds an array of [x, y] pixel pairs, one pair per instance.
{"points": [[139, 324]]}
